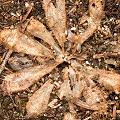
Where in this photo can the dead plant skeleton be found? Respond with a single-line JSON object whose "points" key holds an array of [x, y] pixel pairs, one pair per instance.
{"points": [[77, 80]]}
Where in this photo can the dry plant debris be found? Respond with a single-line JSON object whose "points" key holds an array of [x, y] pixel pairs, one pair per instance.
{"points": [[78, 86], [38, 102]]}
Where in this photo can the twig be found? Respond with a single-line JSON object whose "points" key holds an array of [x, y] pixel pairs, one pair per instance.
{"points": [[116, 27], [114, 112], [24, 18], [5, 60], [97, 56]]}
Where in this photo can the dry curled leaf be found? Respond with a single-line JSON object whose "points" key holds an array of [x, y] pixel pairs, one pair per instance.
{"points": [[94, 98], [56, 19], [38, 103], [69, 116], [37, 29], [110, 80], [96, 13], [71, 36], [18, 63], [65, 89], [23, 79], [20, 42]]}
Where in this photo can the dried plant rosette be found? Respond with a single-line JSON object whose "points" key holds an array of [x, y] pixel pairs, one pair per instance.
{"points": [[77, 80]]}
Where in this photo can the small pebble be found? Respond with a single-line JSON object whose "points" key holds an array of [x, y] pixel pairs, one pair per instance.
{"points": [[73, 28]]}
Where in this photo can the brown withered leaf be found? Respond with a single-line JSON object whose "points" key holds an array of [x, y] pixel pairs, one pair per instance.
{"points": [[78, 88], [19, 42], [20, 62], [72, 75], [65, 89], [71, 36], [110, 80], [69, 116], [96, 13], [56, 19], [38, 103], [94, 98], [23, 79], [37, 29], [78, 85], [82, 104]]}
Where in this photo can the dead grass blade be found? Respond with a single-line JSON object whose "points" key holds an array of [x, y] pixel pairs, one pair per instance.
{"points": [[56, 19], [37, 29], [23, 79], [19, 42], [38, 103]]}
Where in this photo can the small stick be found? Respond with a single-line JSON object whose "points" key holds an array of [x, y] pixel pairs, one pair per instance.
{"points": [[28, 12], [114, 112], [5, 60], [116, 27], [97, 56]]}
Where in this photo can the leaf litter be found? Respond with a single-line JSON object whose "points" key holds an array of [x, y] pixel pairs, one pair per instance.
{"points": [[78, 85]]}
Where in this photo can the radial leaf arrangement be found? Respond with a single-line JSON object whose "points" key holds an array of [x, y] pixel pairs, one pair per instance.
{"points": [[75, 75]]}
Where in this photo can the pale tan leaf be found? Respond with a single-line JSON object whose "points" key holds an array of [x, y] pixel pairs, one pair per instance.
{"points": [[69, 116], [71, 36], [110, 80], [96, 13], [37, 29], [82, 104], [20, 42], [56, 19], [72, 75], [65, 89], [21, 62], [94, 98], [23, 79], [38, 103], [84, 18], [78, 85], [78, 88]]}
